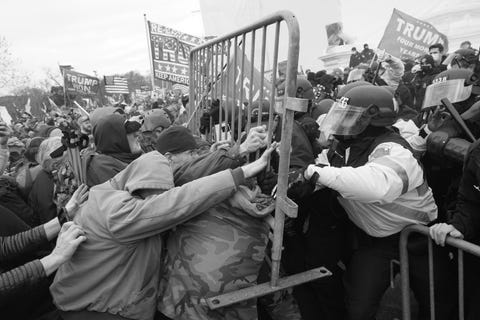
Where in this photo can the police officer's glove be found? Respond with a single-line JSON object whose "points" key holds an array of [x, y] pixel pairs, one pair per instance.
{"points": [[302, 187], [310, 127]]}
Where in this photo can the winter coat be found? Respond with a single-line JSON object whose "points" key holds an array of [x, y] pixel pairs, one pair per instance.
{"points": [[113, 152], [117, 270], [228, 242], [41, 196]]}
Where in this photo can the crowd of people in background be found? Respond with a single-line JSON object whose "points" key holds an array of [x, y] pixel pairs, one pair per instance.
{"points": [[162, 219]]}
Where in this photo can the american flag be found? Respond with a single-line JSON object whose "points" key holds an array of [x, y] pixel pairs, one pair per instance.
{"points": [[114, 84], [183, 88]]}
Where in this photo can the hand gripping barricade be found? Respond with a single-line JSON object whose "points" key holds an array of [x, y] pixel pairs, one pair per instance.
{"points": [[220, 69], [461, 245]]}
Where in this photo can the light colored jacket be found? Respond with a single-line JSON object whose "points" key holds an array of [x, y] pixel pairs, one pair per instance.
{"points": [[117, 270], [394, 71], [386, 194]]}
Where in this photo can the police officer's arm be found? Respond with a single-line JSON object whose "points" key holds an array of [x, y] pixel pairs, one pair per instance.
{"points": [[410, 132], [466, 218], [390, 172]]}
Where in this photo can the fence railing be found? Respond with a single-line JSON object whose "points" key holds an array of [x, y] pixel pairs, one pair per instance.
{"points": [[227, 73], [461, 245]]}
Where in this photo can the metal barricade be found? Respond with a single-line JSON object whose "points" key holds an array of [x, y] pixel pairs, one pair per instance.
{"points": [[461, 246], [225, 69]]}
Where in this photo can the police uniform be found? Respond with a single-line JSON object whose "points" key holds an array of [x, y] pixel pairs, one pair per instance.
{"points": [[380, 186]]}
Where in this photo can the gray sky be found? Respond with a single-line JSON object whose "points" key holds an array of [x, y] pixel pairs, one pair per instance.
{"points": [[109, 36]]}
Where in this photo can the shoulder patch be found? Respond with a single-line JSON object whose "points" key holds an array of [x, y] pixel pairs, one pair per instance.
{"points": [[380, 152]]}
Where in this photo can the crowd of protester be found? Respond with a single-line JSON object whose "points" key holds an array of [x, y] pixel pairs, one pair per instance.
{"points": [[156, 219]]}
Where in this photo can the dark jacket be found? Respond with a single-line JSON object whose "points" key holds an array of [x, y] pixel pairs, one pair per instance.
{"points": [[367, 54], [101, 168], [40, 198], [355, 59], [466, 217], [113, 152]]}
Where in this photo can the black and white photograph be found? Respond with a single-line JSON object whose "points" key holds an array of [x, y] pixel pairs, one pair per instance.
{"points": [[240, 160]]}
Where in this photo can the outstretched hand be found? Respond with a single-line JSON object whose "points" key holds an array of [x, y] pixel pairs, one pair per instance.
{"points": [[252, 169], [223, 144], [256, 139], [78, 198], [69, 238]]}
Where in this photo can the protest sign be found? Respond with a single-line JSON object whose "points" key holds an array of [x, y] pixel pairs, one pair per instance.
{"points": [[76, 82], [171, 53], [406, 37]]}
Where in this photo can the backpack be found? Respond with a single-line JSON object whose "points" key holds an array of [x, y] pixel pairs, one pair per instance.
{"points": [[25, 177], [11, 198]]}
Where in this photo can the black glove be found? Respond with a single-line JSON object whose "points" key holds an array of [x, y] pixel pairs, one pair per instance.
{"points": [[302, 188], [266, 181]]}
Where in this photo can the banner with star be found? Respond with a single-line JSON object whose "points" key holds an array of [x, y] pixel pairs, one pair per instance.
{"points": [[170, 53]]}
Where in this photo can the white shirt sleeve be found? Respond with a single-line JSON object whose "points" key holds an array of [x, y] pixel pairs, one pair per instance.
{"points": [[390, 172], [410, 132]]}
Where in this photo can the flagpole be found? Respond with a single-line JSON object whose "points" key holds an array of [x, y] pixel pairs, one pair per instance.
{"points": [[65, 95], [152, 78]]}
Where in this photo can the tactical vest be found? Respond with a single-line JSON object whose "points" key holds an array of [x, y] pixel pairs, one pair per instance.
{"points": [[362, 147]]}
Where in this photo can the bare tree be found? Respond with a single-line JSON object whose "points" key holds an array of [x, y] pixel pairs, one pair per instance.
{"points": [[10, 75]]}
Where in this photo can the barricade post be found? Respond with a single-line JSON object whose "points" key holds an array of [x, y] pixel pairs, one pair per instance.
{"points": [[461, 245], [234, 117]]}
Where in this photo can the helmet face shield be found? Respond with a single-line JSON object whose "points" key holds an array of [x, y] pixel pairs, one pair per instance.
{"points": [[454, 90], [345, 120]]}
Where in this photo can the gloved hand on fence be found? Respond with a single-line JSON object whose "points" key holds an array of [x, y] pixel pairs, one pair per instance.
{"points": [[302, 187]]}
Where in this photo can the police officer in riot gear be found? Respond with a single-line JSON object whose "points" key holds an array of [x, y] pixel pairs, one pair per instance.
{"points": [[379, 184]]}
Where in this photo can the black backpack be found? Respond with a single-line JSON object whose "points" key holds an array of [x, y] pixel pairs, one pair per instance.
{"points": [[11, 198]]}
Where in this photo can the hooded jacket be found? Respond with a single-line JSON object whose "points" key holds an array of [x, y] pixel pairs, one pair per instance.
{"points": [[117, 270], [113, 152]]}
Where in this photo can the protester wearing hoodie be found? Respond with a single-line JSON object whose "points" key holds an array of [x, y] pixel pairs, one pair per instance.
{"points": [[116, 273], [117, 145]]}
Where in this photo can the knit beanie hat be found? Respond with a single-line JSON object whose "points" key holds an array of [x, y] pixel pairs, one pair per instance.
{"points": [[175, 139]]}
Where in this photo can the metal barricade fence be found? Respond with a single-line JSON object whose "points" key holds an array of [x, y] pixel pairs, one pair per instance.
{"points": [[461, 246], [225, 69]]}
